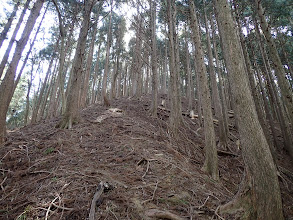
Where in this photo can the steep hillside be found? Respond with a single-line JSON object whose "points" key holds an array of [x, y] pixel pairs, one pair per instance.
{"points": [[50, 173]]}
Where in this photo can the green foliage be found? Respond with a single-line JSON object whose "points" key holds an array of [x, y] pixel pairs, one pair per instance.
{"points": [[47, 52]]}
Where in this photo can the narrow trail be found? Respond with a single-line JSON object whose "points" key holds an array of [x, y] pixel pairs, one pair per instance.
{"points": [[51, 173]]}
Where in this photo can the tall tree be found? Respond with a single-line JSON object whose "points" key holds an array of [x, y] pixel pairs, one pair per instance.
{"points": [[211, 158], [155, 83], [176, 119], [223, 136], [71, 114], [7, 26], [7, 85], [260, 196], [106, 69], [285, 87], [13, 37]]}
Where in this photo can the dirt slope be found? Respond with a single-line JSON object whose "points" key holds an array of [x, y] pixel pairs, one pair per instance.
{"points": [[53, 173]]}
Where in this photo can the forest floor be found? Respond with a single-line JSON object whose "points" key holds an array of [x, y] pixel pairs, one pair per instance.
{"points": [[51, 173]]}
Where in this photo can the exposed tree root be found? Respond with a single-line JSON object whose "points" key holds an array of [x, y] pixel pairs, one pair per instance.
{"points": [[97, 196], [241, 202], [67, 123]]}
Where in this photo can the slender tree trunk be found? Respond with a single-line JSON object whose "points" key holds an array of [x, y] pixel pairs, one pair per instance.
{"points": [[27, 105], [41, 94], [7, 85], [71, 114], [137, 88], [85, 85], [274, 94], [262, 200], [165, 70], [189, 95], [52, 99], [155, 83], [12, 39], [253, 86], [106, 69], [286, 89], [211, 158], [7, 26], [221, 84], [119, 80], [223, 137], [126, 85], [176, 119], [96, 72], [29, 52]]}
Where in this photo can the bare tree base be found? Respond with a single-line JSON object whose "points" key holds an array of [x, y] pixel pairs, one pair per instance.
{"points": [[66, 123]]}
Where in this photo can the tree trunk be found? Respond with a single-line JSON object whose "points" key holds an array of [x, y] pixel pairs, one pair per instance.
{"points": [[263, 199], [85, 85], [176, 119], [96, 72], [71, 114], [165, 70], [137, 87], [27, 105], [252, 83], [155, 83], [39, 99], [221, 84], [106, 69], [211, 158], [53, 98], [286, 89], [7, 85], [7, 26], [223, 136], [274, 94], [12, 39], [189, 95]]}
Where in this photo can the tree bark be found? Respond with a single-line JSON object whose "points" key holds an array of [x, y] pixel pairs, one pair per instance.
{"points": [[223, 136], [40, 97], [221, 84], [155, 83], [12, 39], [286, 89], [263, 198], [7, 85], [274, 94], [106, 69], [85, 84], [211, 158], [71, 114], [7, 26], [176, 119], [96, 72]]}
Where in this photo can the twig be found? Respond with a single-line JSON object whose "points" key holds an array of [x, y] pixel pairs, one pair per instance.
{"points": [[154, 192], [48, 210], [216, 213], [147, 169], [201, 206], [113, 214], [62, 207], [97, 196], [3, 183]]}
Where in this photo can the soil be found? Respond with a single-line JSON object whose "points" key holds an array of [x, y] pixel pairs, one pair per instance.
{"points": [[51, 173]]}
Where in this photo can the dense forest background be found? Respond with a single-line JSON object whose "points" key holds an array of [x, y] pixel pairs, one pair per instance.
{"points": [[223, 58]]}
